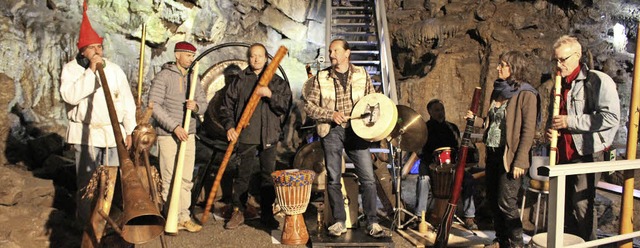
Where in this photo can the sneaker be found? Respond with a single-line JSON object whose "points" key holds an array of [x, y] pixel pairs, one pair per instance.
{"points": [[236, 220], [337, 229], [375, 230], [470, 223], [190, 226], [346, 3]]}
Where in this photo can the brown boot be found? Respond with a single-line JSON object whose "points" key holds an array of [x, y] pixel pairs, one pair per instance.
{"points": [[237, 219]]}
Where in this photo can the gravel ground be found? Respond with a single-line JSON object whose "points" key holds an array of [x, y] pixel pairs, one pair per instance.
{"points": [[251, 234]]}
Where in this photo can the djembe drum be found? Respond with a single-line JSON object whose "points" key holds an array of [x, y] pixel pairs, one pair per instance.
{"points": [[293, 190], [442, 174]]}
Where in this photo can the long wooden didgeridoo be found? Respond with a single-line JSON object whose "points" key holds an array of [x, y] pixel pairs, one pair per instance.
{"points": [[553, 150], [244, 120], [174, 202], [442, 238]]}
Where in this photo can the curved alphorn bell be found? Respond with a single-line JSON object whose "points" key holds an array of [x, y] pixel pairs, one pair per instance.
{"points": [[142, 221]]}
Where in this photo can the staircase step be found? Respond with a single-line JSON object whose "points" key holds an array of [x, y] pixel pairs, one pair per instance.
{"points": [[353, 16], [362, 43], [352, 24], [372, 52], [354, 34], [365, 62], [352, 8]]}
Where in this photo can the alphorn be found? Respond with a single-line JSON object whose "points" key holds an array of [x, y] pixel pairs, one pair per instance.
{"points": [[442, 238], [553, 149], [176, 186], [143, 38], [142, 221], [626, 210], [267, 74]]}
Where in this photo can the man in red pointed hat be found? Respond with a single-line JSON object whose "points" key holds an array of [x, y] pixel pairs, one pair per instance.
{"points": [[89, 129], [169, 96]]}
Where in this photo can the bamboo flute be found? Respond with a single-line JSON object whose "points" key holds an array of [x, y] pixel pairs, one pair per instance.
{"points": [[553, 150]]}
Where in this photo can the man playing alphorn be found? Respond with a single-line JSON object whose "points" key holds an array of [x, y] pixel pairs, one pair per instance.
{"points": [[89, 129], [169, 96]]}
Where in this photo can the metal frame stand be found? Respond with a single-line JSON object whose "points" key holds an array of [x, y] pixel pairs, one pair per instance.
{"points": [[399, 210]]}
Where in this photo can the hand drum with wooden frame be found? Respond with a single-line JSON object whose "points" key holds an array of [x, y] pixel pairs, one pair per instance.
{"points": [[373, 117]]}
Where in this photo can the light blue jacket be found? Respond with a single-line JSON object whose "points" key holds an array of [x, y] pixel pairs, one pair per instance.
{"points": [[593, 108]]}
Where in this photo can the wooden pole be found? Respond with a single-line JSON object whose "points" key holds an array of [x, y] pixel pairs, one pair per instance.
{"points": [[626, 210], [244, 120], [143, 39], [176, 186]]}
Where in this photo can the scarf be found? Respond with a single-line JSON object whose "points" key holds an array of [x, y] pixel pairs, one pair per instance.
{"points": [[503, 88]]}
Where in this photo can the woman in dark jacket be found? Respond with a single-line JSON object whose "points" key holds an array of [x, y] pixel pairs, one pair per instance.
{"points": [[510, 127]]}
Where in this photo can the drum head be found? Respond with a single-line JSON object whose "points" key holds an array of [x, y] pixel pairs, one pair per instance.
{"points": [[311, 157], [381, 113]]}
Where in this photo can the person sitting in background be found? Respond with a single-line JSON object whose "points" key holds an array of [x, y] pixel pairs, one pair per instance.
{"points": [[442, 133]]}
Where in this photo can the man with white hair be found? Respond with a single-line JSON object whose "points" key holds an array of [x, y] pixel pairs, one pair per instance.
{"points": [[587, 124]]}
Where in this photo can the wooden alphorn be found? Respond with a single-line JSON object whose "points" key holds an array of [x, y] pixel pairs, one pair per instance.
{"points": [[174, 202], [244, 120]]}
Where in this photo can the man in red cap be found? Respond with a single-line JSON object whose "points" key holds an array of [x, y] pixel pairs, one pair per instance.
{"points": [[169, 96], [89, 129]]}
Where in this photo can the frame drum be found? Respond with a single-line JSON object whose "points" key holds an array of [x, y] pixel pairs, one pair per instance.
{"points": [[381, 117]]}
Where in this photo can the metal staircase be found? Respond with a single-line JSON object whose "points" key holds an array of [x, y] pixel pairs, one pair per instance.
{"points": [[364, 26]]}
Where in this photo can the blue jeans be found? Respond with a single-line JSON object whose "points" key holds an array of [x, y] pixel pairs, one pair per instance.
{"points": [[423, 193], [358, 151], [88, 159]]}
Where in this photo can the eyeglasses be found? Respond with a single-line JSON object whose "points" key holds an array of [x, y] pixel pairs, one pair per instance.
{"points": [[562, 60], [503, 65]]}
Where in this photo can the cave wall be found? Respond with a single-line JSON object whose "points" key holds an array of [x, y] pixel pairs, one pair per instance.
{"points": [[441, 49], [445, 48]]}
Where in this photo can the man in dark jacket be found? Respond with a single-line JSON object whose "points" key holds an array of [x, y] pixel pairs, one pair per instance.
{"points": [[257, 142], [169, 91]]}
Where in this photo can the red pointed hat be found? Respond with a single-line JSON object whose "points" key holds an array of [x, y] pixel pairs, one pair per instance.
{"points": [[184, 46], [87, 35]]}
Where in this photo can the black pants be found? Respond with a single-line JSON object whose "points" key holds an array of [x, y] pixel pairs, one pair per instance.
{"points": [[254, 159], [502, 196], [580, 216]]}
